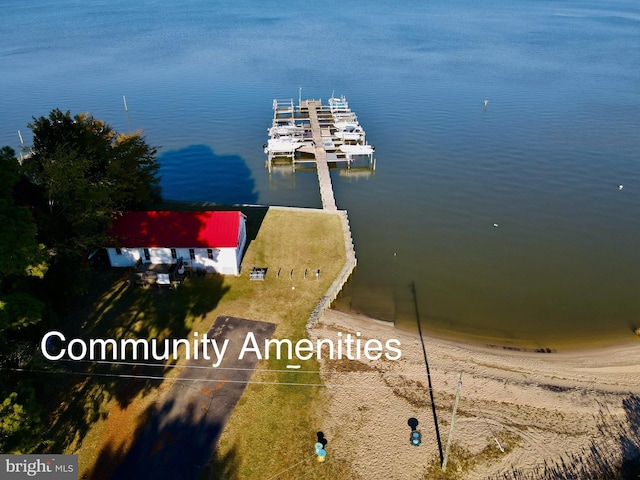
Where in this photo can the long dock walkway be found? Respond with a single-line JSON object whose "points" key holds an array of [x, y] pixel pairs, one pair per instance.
{"points": [[324, 179]]}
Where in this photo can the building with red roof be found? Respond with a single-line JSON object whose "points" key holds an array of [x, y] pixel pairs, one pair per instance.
{"points": [[213, 241]]}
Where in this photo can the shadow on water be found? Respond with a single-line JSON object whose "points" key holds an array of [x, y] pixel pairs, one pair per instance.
{"points": [[426, 363], [196, 173]]}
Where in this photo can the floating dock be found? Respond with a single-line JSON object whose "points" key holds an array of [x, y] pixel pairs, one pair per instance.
{"points": [[317, 134]]}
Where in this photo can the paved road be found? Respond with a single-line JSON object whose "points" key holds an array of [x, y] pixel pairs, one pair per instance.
{"points": [[180, 435]]}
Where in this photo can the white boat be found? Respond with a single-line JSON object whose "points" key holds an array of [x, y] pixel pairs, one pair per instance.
{"points": [[282, 145], [286, 130], [349, 131], [351, 150], [338, 104], [344, 117]]}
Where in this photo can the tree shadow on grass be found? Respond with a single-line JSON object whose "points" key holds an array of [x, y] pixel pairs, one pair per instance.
{"points": [[169, 444], [80, 391], [225, 466], [74, 395], [174, 438]]}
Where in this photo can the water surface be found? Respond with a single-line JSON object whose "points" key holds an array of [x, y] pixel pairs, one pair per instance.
{"points": [[543, 161]]}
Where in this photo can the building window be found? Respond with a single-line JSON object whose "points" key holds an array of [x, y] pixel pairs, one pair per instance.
{"points": [[118, 251], [210, 253], [174, 255], [192, 254], [147, 255]]}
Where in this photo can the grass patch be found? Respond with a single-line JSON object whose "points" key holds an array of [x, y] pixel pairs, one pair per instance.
{"points": [[491, 452], [459, 463], [274, 426]]}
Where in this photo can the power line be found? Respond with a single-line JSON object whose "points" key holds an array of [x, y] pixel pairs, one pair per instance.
{"points": [[292, 466], [140, 364], [208, 380]]}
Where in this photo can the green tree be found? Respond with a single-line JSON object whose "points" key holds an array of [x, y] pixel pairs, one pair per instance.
{"points": [[134, 169], [10, 169], [20, 423], [21, 256], [21, 259], [86, 172]]}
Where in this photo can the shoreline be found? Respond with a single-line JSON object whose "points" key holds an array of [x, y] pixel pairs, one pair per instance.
{"points": [[621, 352], [497, 343], [542, 408]]}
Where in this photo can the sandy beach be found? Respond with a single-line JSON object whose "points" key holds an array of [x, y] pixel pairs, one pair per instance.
{"points": [[537, 407]]}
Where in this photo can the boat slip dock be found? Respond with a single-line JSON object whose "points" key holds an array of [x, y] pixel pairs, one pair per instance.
{"points": [[313, 133]]}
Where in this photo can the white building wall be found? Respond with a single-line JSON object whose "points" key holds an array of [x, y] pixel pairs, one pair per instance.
{"points": [[127, 257], [158, 255], [228, 261], [225, 260], [242, 240]]}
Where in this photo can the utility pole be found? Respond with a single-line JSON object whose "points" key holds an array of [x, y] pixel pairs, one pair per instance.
{"points": [[453, 419]]}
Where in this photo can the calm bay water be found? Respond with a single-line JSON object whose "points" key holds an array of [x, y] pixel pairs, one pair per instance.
{"points": [[543, 161]]}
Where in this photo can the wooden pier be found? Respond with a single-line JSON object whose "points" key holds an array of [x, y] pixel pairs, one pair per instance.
{"points": [[324, 179], [313, 133]]}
